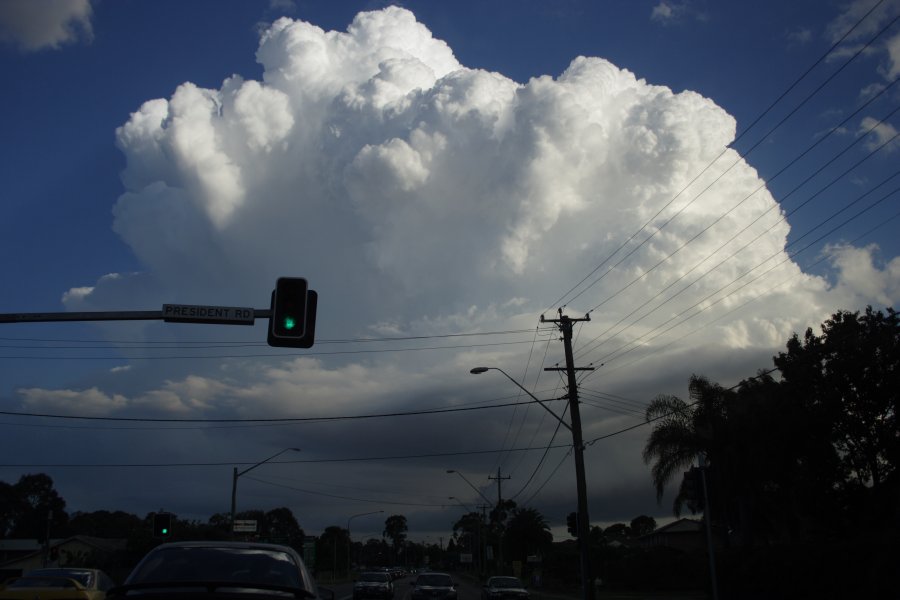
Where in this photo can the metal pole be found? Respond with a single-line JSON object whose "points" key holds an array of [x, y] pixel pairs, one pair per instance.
{"points": [[234, 478], [709, 541], [583, 522], [581, 484]]}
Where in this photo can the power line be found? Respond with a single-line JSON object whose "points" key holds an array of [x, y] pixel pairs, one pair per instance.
{"points": [[225, 343], [368, 458], [270, 420], [740, 156], [267, 355], [593, 346], [737, 308]]}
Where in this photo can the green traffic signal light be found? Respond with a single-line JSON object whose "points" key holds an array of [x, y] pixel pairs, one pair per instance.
{"points": [[292, 322]]}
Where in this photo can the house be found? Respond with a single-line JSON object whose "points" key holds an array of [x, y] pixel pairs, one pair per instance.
{"points": [[686, 535]]}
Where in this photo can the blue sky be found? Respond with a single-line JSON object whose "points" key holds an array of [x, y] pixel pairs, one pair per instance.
{"points": [[437, 169]]}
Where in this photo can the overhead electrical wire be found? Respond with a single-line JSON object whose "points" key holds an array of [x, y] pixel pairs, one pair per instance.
{"points": [[367, 458], [766, 111], [744, 285], [331, 418], [884, 222], [266, 355], [592, 345], [223, 343]]}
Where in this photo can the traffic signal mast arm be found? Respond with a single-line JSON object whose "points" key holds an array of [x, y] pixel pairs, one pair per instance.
{"points": [[136, 315]]}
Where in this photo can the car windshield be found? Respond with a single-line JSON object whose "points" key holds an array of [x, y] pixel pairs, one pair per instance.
{"points": [[54, 578], [434, 579], [505, 582], [243, 565], [379, 577]]}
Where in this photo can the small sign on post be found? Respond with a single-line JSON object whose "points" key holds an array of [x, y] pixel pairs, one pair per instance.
{"points": [[245, 525]]}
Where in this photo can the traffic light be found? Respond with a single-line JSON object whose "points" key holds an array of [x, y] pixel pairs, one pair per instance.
{"points": [[293, 316], [289, 311], [572, 524], [162, 525]]}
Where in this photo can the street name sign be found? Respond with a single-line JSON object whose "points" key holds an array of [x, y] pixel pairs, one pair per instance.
{"points": [[221, 315]]}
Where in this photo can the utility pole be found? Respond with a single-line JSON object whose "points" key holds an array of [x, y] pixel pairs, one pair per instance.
{"points": [[499, 508], [499, 481], [482, 538], [565, 325]]}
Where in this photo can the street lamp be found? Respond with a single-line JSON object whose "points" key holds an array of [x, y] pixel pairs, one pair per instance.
{"points": [[236, 474], [460, 502], [480, 370], [350, 539], [580, 482]]}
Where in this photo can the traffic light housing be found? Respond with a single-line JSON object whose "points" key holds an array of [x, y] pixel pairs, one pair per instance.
{"points": [[292, 322], [162, 525], [572, 524]]}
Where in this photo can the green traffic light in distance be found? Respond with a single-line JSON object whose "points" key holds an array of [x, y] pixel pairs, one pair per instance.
{"points": [[289, 323], [165, 531]]}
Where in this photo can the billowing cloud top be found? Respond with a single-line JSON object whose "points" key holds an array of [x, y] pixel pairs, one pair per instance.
{"points": [[410, 190], [419, 196]]}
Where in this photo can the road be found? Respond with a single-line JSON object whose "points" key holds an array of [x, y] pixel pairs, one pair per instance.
{"points": [[466, 589]]}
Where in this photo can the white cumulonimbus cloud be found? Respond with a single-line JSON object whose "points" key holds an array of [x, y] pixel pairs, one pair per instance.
{"points": [[414, 192]]}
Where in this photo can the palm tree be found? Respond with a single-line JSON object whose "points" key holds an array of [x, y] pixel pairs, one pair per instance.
{"points": [[682, 433], [527, 533], [395, 529]]}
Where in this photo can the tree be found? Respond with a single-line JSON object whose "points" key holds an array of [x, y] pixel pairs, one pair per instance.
{"points": [[281, 523], [395, 529], [682, 433], [849, 377], [35, 502], [105, 524], [331, 550], [642, 525], [527, 533], [617, 532]]}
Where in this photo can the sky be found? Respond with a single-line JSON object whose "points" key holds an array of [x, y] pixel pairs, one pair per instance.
{"points": [[700, 179]]}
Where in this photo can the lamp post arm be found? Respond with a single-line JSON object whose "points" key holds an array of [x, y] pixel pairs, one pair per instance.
{"points": [[533, 397], [276, 455]]}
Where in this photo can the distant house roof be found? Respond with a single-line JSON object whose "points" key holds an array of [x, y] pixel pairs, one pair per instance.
{"points": [[679, 526], [683, 534]]}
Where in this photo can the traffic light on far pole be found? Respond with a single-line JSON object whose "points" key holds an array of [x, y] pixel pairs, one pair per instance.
{"points": [[292, 322], [162, 525]]}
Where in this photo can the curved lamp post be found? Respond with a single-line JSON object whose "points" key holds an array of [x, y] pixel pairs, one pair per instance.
{"points": [[350, 539], [236, 474], [460, 502], [581, 485], [477, 491], [480, 370]]}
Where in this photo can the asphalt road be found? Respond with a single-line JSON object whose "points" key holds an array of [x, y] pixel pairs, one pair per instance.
{"points": [[466, 590]]}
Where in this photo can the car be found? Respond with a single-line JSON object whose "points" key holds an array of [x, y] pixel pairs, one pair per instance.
{"points": [[504, 588], [434, 586], [58, 583], [373, 584], [208, 569]]}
